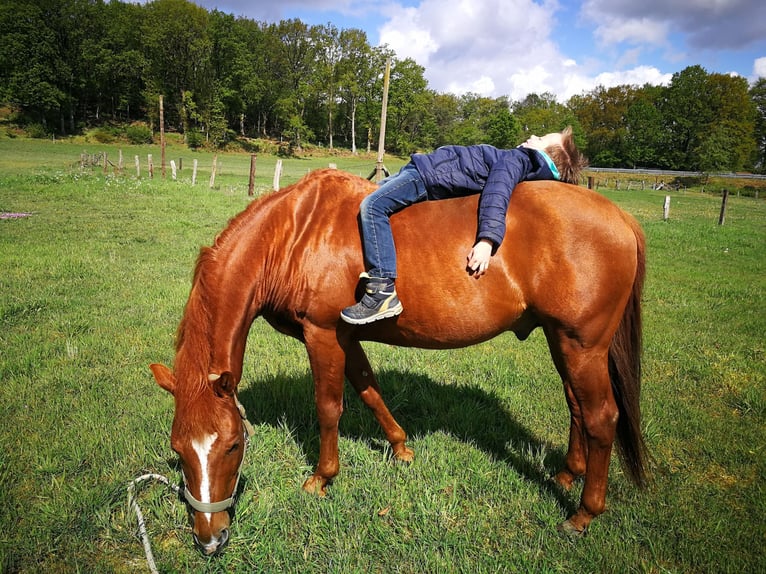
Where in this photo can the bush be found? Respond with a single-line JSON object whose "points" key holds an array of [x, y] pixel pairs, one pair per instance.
{"points": [[194, 139], [37, 131], [139, 134], [104, 136]]}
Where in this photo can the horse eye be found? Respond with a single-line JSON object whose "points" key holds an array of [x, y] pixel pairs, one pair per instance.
{"points": [[233, 448]]}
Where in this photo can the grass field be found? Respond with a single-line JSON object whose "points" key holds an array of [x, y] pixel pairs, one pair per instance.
{"points": [[93, 285]]}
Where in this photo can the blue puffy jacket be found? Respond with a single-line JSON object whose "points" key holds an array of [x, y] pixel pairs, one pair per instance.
{"points": [[454, 171]]}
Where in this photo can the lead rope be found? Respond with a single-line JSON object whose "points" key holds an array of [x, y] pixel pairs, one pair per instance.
{"points": [[133, 502]]}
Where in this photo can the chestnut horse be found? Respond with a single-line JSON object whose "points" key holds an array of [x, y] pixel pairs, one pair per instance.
{"points": [[572, 263]]}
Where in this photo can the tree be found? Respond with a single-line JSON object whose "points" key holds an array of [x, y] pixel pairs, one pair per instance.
{"points": [[733, 117], [295, 57], [644, 136], [686, 115], [603, 113], [357, 68], [502, 128], [178, 51], [407, 106], [758, 97], [703, 111], [31, 66]]}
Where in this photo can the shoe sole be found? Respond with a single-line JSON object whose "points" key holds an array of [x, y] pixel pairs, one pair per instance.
{"points": [[387, 314]]}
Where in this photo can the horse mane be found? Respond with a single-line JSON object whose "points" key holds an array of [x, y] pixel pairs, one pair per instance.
{"points": [[193, 337], [193, 345]]}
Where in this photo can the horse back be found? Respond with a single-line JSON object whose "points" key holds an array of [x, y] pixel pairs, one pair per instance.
{"points": [[567, 252]]}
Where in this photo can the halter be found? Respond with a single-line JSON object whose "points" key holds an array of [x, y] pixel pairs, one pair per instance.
{"points": [[222, 505]]}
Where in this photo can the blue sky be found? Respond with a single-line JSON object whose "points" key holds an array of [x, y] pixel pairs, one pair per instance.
{"points": [[516, 47]]}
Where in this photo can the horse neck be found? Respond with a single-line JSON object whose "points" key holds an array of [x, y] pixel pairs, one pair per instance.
{"points": [[224, 300]]}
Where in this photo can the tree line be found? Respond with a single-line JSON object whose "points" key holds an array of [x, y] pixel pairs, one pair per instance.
{"points": [[70, 64]]}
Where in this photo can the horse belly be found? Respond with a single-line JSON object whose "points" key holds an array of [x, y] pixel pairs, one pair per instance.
{"points": [[447, 325]]}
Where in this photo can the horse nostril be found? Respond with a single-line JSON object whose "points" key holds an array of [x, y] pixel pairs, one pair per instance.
{"points": [[224, 538]]}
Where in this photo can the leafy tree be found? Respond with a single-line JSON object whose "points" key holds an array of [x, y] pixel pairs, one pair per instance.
{"points": [[644, 136], [295, 58], [703, 111], [758, 97], [178, 50], [539, 114], [734, 117], [603, 114], [408, 92], [502, 128], [355, 70], [31, 68], [686, 114]]}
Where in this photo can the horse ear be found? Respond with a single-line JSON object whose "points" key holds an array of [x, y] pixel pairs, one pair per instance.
{"points": [[164, 377], [223, 384]]}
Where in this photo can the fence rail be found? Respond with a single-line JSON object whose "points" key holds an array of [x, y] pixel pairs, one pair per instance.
{"points": [[670, 173]]}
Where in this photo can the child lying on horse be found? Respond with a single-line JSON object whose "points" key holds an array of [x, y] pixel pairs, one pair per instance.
{"points": [[453, 171]]}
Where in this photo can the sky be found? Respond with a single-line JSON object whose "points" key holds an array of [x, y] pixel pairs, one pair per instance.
{"points": [[516, 47]]}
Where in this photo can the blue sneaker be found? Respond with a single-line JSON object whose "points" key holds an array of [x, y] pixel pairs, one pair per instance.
{"points": [[378, 302]]}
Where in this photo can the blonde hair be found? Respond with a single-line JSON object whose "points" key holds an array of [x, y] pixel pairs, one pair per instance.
{"points": [[568, 159]]}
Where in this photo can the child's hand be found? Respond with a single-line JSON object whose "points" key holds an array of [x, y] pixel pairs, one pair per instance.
{"points": [[478, 258]]}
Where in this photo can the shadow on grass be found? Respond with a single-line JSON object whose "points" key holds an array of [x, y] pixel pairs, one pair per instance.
{"points": [[421, 406]]}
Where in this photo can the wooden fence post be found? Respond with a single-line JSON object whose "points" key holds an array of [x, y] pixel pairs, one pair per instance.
{"points": [[212, 173], [251, 184], [666, 208], [151, 166], [138, 167], [379, 168], [724, 201], [194, 172], [277, 174], [162, 136], [173, 169]]}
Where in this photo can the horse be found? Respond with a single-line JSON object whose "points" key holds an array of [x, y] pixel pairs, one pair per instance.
{"points": [[573, 264]]}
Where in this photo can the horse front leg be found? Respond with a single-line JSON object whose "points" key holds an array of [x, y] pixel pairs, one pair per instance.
{"points": [[361, 377], [327, 361]]}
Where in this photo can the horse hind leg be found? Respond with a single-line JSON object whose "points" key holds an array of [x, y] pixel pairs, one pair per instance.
{"points": [[360, 375], [593, 425], [576, 457]]}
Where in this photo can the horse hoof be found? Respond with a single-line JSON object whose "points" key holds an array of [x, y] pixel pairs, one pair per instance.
{"points": [[565, 480], [404, 454], [569, 530], [315, 485]]}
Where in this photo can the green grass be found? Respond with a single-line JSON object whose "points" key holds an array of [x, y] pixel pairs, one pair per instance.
{"points": [[93, 286]]}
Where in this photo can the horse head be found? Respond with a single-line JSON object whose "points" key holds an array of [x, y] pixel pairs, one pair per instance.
{"points": [[209, 434]]}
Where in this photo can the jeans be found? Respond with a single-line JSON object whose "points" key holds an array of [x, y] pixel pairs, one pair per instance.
{"points": [[394, 194]]}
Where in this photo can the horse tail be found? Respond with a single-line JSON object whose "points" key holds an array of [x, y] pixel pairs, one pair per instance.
{"points": [[625, 371]]}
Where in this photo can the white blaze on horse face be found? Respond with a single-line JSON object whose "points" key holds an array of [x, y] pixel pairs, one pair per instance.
{"points": [[203, 448]]}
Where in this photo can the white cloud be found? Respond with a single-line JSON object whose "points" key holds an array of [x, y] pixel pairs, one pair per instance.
{"points": [[405, 34], [497, 48], [759, 68], [613, 30], [707, 24], [637, 76]]}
